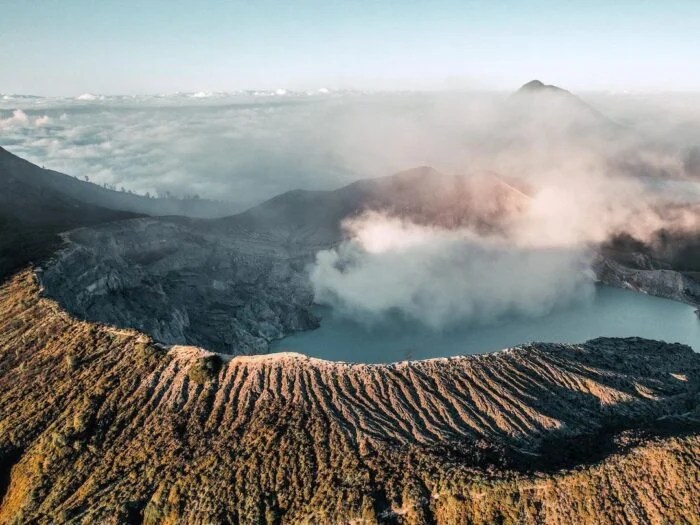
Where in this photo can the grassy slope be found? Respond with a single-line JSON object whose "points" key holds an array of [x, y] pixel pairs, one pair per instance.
{"points": [[99, 426]]}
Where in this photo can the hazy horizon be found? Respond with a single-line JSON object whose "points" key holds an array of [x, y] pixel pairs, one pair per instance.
{"points": [[161, 47], [281, 91]]}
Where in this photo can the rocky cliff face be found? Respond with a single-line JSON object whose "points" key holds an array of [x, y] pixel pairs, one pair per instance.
{"points": [[182, 281], [101, 425], [661, 282], [666, 265]]}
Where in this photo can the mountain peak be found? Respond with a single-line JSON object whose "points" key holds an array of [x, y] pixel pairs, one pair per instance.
{"points": [[544, 95], [535, 86]]}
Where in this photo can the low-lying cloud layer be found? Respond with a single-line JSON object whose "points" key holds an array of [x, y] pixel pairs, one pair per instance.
{"points": [[241, 148], [248, 147]]}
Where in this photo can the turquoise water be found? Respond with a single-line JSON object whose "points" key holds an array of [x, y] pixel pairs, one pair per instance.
{"points": [[612, 312]]}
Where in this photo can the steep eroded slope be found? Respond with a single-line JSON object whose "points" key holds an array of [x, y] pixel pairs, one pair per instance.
{"points": [[100, 425]]}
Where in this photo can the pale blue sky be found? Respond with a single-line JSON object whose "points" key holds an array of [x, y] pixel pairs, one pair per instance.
{"points": [[68, 47]]}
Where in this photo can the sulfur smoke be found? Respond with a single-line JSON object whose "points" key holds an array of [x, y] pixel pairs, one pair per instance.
{"points": [[585, 184], [440, 277]]}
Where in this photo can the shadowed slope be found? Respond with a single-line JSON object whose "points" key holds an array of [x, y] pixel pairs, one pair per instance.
{"points": [[90, 193], [33, 212], [423, 195], [100, 425]]}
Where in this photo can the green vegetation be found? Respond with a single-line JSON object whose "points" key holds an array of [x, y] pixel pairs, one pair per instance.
{"points": [[148, 354], [205, 369]]}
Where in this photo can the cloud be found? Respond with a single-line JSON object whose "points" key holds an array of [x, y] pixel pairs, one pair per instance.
{"points": [[243, 151], [42, 121], [246, 148], [440, 277], [18, 119], [88, 97]]}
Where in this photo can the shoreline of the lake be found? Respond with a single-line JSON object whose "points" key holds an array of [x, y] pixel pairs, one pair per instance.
{"points": [[613, 312]]}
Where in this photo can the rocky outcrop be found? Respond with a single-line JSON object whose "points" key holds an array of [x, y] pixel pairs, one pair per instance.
{"points": [[661, 282], [101, 425]]}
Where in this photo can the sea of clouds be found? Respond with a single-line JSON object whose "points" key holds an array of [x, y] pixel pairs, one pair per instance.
{"points": [[239, 147], [246, 147]]}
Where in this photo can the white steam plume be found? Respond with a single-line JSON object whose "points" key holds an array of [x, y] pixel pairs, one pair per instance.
{"points": [[441, 277], [540, 260]]}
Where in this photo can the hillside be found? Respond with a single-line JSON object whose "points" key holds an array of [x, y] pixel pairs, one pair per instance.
{"points": [[37, 204], [15, 168], [424, 195], [32, 213], [101, 425]]}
